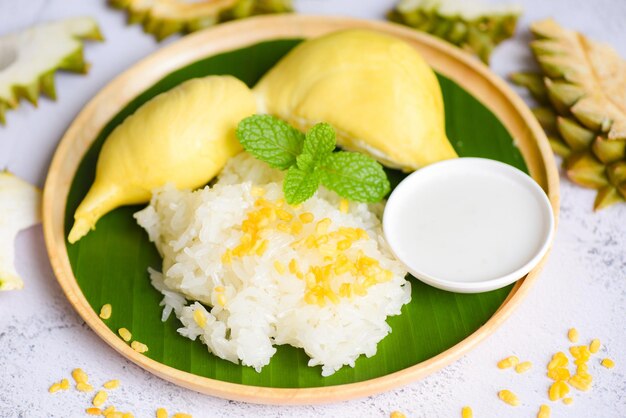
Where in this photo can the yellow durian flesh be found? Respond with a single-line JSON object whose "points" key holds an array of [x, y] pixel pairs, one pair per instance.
{"points": [[375, 90], [184, 136]]}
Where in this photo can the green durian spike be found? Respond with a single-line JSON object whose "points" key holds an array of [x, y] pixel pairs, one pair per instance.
{"points": [[533, 82], [608, 151], [574, 135], [584, 169], [607, 196]]}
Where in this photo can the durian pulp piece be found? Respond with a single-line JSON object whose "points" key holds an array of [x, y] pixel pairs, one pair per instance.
{"points": [[474, 26], [184, 136], [20, 205], [28, 59], [375, 90], [163, 18]]}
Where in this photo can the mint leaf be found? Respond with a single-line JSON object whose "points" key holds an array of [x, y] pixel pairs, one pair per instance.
{"points": [[299, 185], [306, 162], [319, 142], [270, 140], [354, 176]]}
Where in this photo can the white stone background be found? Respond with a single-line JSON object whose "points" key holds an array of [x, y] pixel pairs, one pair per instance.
{"points": [[583, 284]]}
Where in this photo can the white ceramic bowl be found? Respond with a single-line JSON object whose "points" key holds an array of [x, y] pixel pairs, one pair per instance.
{"points": [[469, 224]]}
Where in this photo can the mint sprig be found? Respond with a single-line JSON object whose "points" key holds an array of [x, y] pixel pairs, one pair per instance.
{"points": [[354, 176], [319, 141], [310, 161], [299, 185], [270, 140]]}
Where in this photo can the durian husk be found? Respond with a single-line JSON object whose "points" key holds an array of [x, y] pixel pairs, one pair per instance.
{"points": [[18, 44], [592, 71], [163, 18], [581, 91], [476, 28]]}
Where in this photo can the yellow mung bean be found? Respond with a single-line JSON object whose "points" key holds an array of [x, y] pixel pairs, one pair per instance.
{"points": [[257, 191], [510, 361], [523, 367], [322, 226], [608, 363], [558, 390], [343, 245], [595, 345], [559, 373], [279, 267], [558, 360], [100, 398], [508, 397], [344, 206], [84, 387], [544, 412], [105, 311], [296, 227], [306, 217], [467, 412], [108, 410], [139, 347], [580, 382], [199, 318], [80, 376], [111, 384], [283, 215], [125, 334], [55, 387], [580, 352]]}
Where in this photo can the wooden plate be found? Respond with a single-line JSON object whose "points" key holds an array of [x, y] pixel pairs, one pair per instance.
{"points": [[454, 64]]}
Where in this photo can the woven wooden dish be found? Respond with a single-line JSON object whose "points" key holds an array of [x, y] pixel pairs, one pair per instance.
{"points": [[452, 63]]}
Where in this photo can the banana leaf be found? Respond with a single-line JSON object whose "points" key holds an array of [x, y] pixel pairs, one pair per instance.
{"points": [[110, 263]]}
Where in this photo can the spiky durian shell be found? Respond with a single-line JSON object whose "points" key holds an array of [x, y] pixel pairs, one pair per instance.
{"points": [[163, 18], [582, 97], [592, 77], [22, 77], [475, 28]]}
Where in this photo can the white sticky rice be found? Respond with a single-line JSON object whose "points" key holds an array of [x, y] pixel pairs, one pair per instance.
{"points": [[264, 308]]}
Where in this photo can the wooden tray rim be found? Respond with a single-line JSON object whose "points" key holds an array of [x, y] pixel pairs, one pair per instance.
{"points": [[85, 128]]}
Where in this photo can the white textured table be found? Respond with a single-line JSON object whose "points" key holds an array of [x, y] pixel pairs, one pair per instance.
{"points": [[584, 283]]}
